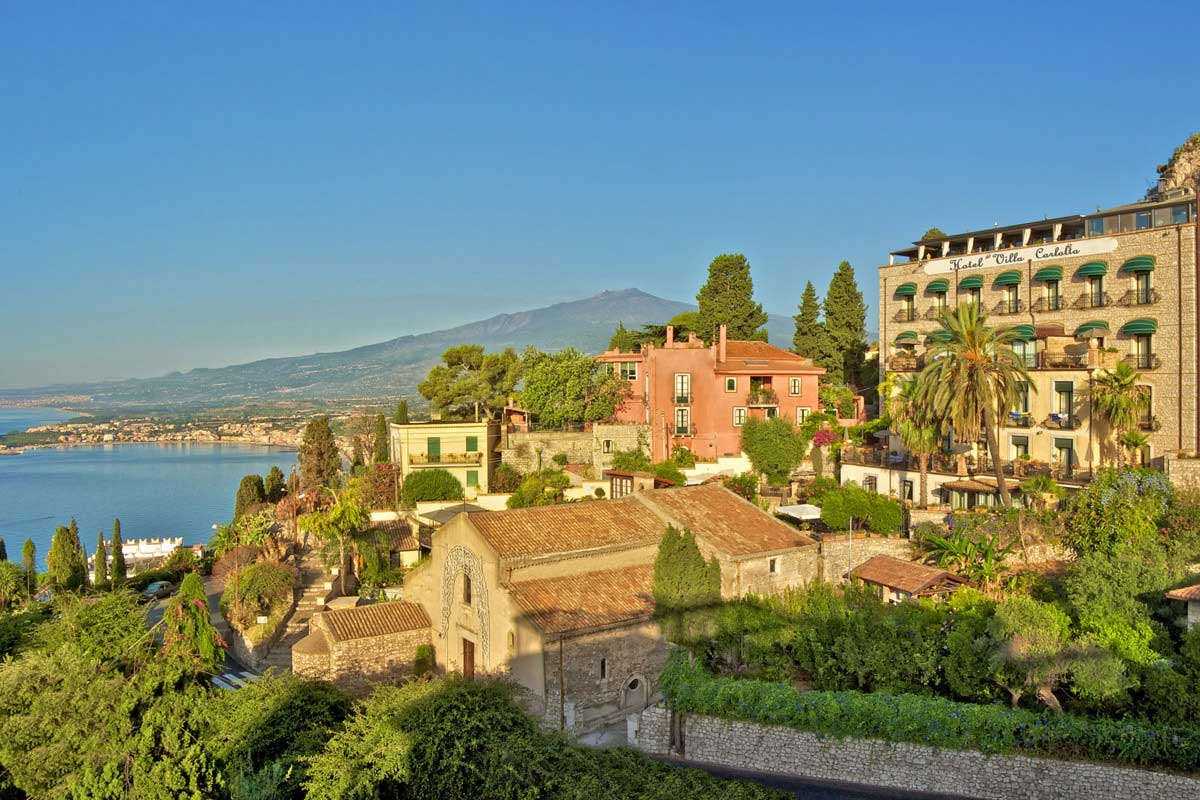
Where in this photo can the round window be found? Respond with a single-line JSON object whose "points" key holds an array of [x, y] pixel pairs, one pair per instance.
{"points": [[633, 684]]}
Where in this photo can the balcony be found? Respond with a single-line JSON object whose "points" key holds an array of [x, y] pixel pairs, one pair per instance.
{"points": [[904, 363], [1008, 307], [426, 459], [934, 313], [1027, 360], [1093, 300], [1069, 473], [683, 399], [1139, 297], [1019, 419], [1044, 304], [762, 397], [1063, 361], [1061, 422], [905, 315], [1143, 361], [683, 430], [1149, 424]]}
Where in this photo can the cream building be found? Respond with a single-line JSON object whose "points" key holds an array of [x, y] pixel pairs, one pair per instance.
{"points": [[467, 450], [1083, 292]]}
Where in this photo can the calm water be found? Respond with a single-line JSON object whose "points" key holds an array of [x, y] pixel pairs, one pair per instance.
{"points": [[19, 419], [156, 489]]}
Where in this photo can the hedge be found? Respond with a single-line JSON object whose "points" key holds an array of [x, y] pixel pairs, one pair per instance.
{"points": [[930, 721]]}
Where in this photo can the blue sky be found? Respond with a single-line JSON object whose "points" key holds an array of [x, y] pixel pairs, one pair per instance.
{"points": [[271, 179]]}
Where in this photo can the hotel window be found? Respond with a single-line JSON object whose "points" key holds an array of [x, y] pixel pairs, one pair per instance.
{"points": [[1026, 353], [1064, 400], [1141, 220], [1146, 412], [773, 566], [1012, 298], [870, 483], [1053, 295], [1064, 454], [683, 387], [1096, 226], [802, 414], [629, 370], [739, 417], [472, 477], [603, 669], [794, 386], [472, 444], [731, 384], [1020, 446], [906, 490], [939, 300], [1142, 289], [1179, 215], [908, 309], [467, 589], [1021, 405], [1143, 348], [683, 420], [1096, 291]]}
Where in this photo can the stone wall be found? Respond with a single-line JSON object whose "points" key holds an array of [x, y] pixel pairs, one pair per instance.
{"points": [[839, 554], [1182, 472], [356, 665], [520, 450], [910, 767], [620, 437]]}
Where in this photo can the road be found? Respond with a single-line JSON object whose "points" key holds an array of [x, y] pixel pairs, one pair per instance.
{"points": [[232, 675], [809, 789]]}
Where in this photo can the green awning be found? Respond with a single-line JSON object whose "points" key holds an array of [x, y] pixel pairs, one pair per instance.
{"points": [[1048, 274], [906, 336], [973, 282], [906, 290], [1140, 326], [1025, 333], [1013, 276], [1094, 325], [1139, 264], [1092, 269], [940, 285], [939, 336]]}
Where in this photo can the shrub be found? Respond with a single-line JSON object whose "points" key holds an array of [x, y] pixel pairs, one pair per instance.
{"points": [[879, 514], [506, 479], [744, 485], [774, 447], [929, 720], [1117, 507], [682, 578], [423, 661], [430, 484], [379, 489], [182, 560], [683, 457], [543, 488], [599, 493], [263, 589], [560, 459]]}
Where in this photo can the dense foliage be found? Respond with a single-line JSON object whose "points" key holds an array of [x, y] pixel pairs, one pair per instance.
{"points": [[637, 461], [251, 492], [812, 339], [472, 384], [682, 578], [430, 484], [568, 387], [544, 488], [319, 458], [774, 447], [850, 506], [727, 298], [505, 479], [846, 322], [262, 589]]}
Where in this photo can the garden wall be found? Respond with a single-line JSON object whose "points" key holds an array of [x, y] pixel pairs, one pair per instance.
{"points": [[911, 767], [522, 451], [839, 554]]}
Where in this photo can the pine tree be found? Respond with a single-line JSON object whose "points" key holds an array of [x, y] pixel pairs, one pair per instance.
{"points": [[812, 340], [728, 299], [101, 561], [275, 485], [118, 555], [3, 551], [846, 322], [380, 456], [251, 492], [401, 417], [623, 340], [29, 562], [318, 456], [62, 561]]}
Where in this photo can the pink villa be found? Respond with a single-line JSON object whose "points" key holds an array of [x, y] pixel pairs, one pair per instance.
{"points": [[699, 396]]}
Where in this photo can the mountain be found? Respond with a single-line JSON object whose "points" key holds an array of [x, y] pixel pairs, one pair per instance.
{"points": [[390, 369]]}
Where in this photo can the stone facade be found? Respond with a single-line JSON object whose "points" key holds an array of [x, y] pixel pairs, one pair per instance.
{"points": [[903, 766], [840, 554], [609, 438], [357, 664], [1182, 471], [529, 451]]}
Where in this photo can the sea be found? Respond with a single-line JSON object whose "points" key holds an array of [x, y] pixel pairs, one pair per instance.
{"points": [[156, 490]]}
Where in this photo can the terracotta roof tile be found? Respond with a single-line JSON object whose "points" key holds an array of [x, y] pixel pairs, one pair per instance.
{"points": [[741, 354], [725, 521], [587, 600], [379, 619], [907, 576], [399, 533], [569, 527], [1189, 593]]}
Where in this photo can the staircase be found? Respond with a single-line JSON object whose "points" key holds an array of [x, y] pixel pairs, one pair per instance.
{"points": [[313, 577]]}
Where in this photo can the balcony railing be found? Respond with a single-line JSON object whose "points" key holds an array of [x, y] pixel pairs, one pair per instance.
{"points": [[904, 363], [1143, 361], [683, 430], [1019, 419], [1063, 361], [422, 459], [1043, 304], [1150, 424], [1093, 300], [764, 396], [905, 315], [1027, 360], [1061, 422], [1009, 307], [1139, 297], [683, 399]]}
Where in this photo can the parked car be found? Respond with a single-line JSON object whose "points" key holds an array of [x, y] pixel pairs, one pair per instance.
{"points": [[158, 590]]}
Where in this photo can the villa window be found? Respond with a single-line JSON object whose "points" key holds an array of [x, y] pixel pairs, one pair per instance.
{"points": [[731, 384], [472, 444], [794, 386], [606, 446], [472, 478], [629, 370], [1020, 446], [773, 566], [683, 387], [870, 483], [739, 417], [467, 589], [683, 420], [802, 414]]}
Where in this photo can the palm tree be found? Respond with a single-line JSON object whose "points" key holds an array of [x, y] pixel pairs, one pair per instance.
{"points": [[919, 430], [1132, 442], [339, 525], [971, 380], [1117, 398]]}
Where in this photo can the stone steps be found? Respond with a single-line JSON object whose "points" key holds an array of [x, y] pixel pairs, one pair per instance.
{"points": [[312, 580]]}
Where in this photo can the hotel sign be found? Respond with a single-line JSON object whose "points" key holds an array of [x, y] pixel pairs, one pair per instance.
{"points": [[1053, 251]]}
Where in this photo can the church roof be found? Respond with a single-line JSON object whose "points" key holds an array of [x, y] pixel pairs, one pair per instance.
{"points": [[587, 600], [378, 619]]}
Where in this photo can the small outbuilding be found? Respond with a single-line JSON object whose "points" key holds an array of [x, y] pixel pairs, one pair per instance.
{"points": [[899, 580], [360, 646], [1191, 596]]}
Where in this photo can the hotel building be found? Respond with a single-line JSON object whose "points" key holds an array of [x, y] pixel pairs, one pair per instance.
{"points": [[1083, 292]]}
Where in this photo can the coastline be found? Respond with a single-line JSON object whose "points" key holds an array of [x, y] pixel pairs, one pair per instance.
{"points": [[69, 445]]}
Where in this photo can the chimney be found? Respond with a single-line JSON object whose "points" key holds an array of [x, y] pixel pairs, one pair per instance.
{"points": [[721, 345], [670, 335]]}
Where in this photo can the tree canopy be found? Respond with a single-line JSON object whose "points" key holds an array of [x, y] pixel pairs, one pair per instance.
{"points": [[812, 339], [319, 458], [568, 387], [381, 450], [774, 447], [932, 233], [251, 492], [470, 383], [846, 322], [727, 298]]}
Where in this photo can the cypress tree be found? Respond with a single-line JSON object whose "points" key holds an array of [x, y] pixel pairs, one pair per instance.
{"points": [[3, 550], [29, 562], [275, 485], [401, 417], [846, 321], [812, 340], [118, 555], [318, 456], [251, 491], [62, 561], [382, 448], [727, 298], [101, 560], [357, 458]]}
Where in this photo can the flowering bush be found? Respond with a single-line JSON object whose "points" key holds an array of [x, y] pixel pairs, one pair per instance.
{"points": [[823, 438], [1116, 507]]}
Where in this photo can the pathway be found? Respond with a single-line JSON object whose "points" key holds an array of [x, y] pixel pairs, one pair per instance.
{"points": [[313, 577]]}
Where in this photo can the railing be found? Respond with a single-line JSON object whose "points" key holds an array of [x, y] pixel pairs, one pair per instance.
{"points": [[1093, 300], [1061, 422], [1044, 304], [1068, 472], [1019, 419], [1143, 361], [1025, 468], [905, 315], [903, 363], [934, 312], [1150, 423], [1063, 361], [419, 459], [1009, 307], [683, 399], [1027, 360], [1139, 297], [683, 430], [762, 397]]}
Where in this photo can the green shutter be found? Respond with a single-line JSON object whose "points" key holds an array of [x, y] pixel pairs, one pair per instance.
{"points": [[906, 336], [1092, 269], [433, 449], [1024, 333], [973, 282], [1013, 276], [939, 336], [472, 477], [1094, 325], [1139, 264], [941, 285], [1064, 444], [906, 290], [1067, 387], [472, 444], [1048, 274], [1137, 327]]}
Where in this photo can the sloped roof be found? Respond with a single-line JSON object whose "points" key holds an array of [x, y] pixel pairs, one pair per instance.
{"points": [[568, 527], [742, 355], [725, 521], [444, 515], [907, 576], [379, 619], [587, 600], [1189, 593], [400, 535]]}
